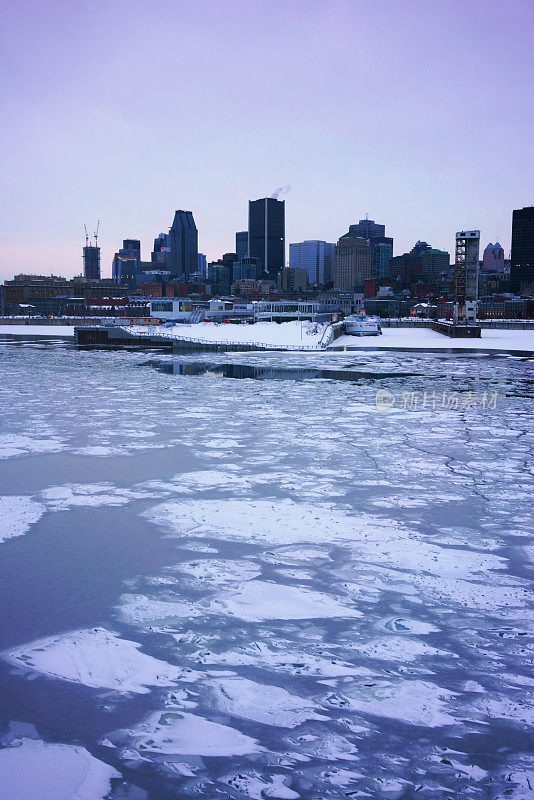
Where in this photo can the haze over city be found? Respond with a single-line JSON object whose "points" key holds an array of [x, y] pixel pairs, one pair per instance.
{"points": [[417, 113]]}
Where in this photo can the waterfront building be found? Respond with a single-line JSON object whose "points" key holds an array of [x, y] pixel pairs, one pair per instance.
{"points": [[183, 244], [32, 289], [266, 233], [316, 257], [493, 258], [353, 264], [522, 260]]}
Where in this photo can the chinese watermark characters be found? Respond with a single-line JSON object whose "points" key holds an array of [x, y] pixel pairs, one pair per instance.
{"points": [[433, 401]]}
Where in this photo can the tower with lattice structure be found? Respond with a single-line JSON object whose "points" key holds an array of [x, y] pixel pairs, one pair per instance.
{"points": [[466, 277]]}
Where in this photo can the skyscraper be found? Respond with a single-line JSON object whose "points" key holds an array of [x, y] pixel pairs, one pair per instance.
{"points": [[380, 244], [91, 262], [522, 261], [241, 244], [316, 257], [183, 243], [352, 261], [266, 233], [368, 229], [127, 263]]}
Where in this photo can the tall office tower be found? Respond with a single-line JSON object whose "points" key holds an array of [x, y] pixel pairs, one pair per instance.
{"points": [[353, 264], [266, 233], [316, 257], [381, 255], [228, 260], [241, 244], [127, 263], [91, 262], [219, 278], [368, 229], [493, 258], [435, 264], [133, 246], [160, 242], [202, 264], [522, 261], [381, 245], [183, 243], [466, 276]]}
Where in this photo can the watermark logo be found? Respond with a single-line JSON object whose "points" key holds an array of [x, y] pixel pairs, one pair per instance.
{"points": [[384, 400], [433, 401]]}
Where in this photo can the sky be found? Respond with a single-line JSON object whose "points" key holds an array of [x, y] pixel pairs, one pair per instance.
{"points": [[415, 112]]}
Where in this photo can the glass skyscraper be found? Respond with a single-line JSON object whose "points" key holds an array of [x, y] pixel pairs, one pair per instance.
{"points": [[316, 257], [183, 243], [522, 259], [266, 233]]}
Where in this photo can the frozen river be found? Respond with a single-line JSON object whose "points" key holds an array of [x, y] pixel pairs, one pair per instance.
{"points": [[245, 576]]}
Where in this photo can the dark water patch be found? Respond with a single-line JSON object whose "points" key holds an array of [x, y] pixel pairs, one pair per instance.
{"points": [[267, 372]]}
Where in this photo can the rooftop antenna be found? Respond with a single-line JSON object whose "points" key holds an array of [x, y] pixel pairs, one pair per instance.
{"points": [[96, 233], [86, 236]]}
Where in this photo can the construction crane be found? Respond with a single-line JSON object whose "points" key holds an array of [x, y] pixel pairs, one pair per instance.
{"points": [[96, 233], [86, 236]]}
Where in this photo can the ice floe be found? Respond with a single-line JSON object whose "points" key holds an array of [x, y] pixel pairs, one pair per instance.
{"points": [[17, 514], [261, 702], [415, 702], [37, 770], [59, 498], [94, 657], [256, 786], [259, 654], [218, 572], [261, 600], [138, 609], [177, 733], [14, 445]]}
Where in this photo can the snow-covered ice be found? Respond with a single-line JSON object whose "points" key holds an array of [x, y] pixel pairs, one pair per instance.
{"points": [[270, 705], [36, 770], [408, 338], [260, 600], [292, 592], [94, 657], [174, 733], [17, 515], [415, 702]]}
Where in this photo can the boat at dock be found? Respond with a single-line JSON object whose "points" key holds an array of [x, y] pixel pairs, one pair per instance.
{"points": [[362, 325]]}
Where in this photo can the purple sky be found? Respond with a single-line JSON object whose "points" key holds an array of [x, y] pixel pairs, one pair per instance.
{"points": [[418, 112]]}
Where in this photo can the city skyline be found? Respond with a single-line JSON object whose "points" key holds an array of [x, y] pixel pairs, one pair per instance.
{"points": [[436, 140]]}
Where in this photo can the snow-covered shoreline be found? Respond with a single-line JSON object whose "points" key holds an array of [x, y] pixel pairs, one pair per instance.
{"points": [[307, 335]]}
